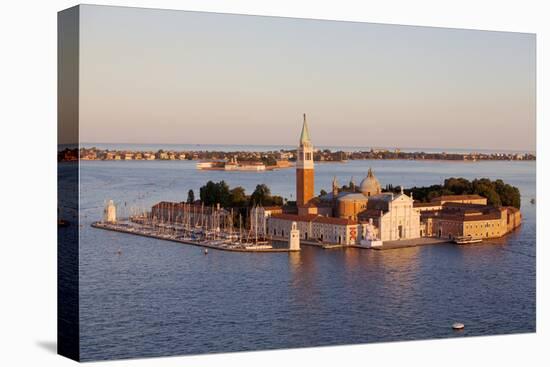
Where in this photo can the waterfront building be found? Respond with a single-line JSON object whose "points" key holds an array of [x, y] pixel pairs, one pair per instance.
{"points": [[315, 228], [354, 215], [462, 199], [393, 216], [343, 217], [259, 216], [456, 219]]}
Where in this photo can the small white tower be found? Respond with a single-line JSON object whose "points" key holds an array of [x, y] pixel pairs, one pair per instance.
{"points": [[294, 239], [109, 213]]}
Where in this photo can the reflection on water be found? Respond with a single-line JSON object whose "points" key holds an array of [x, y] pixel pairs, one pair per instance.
{"points": [[158, 298]]}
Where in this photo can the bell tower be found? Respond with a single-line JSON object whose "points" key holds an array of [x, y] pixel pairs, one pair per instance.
{"points": [[305, 185]]}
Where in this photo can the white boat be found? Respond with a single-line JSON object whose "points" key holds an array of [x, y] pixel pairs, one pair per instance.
{"points": [[458, 326], [465, 240]]}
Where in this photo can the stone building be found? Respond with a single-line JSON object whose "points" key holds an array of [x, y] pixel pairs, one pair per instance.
{"points": [[476, 220], [343, 216], [393, 215], [315, 228], [461, 199]]}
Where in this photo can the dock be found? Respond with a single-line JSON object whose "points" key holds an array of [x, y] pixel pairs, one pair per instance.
{"points": [[399, 244], [147, 231], [137, 229], [312, 243]]}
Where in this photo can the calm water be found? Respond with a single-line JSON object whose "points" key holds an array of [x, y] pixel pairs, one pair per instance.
{"points": [[162, 298]]}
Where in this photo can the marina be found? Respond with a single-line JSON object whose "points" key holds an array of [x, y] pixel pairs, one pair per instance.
{"points": [[170, 233], [226, 241]]}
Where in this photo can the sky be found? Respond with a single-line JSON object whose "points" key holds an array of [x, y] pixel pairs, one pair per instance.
{"points": [[176, 77]]}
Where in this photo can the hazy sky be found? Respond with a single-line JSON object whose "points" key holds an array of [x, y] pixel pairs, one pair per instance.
{"points": [[158, 76]]}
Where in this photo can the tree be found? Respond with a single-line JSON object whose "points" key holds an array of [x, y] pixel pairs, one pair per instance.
{"points": [[277, 200], [322, 192], [269, 161], [459, 186], [497, 192], [238, 197], [215, 193], [261, 195], [190, 197]]}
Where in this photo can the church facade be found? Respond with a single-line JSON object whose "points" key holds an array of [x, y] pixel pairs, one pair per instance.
{"points": [[343, 216]]}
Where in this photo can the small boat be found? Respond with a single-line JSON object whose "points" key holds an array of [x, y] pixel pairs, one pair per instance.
{"points": [[465, 240], [458, 326], [206, 251]]}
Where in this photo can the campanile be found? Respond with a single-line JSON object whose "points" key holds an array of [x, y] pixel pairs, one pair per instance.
{"points": [[305, 185]]}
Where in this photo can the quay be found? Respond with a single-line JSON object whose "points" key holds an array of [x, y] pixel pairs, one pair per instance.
{"points": [[312, 243], [387, 245], [415, 242], [145, 231]]}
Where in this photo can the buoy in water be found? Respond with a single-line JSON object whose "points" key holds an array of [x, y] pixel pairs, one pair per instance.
{"points": [[458, 326], [206, 251], [119, 252]]}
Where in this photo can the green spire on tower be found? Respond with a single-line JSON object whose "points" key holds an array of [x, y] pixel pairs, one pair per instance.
{"points": [[304, 137]]}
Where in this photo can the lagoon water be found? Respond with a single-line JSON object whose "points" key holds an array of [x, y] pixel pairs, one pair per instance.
{"points": [[162, 298]]}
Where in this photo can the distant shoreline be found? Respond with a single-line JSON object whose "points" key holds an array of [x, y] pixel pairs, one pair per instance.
{"points": [[274, 158], [277, 147]]}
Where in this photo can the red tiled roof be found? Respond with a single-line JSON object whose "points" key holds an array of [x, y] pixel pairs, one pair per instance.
{"points": [[470, 218], [421, 205], [465, 205], [457, 197]]}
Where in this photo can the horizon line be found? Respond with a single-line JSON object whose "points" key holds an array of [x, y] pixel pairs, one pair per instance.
{"points": [[441, 149]]}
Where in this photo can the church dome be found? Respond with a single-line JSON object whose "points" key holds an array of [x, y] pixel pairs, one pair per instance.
{"points": [[370, 185]]}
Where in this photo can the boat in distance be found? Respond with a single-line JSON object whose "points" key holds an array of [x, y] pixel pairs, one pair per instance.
{"points": [[466, 240]]}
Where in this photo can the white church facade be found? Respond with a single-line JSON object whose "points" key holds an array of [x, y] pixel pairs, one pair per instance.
{"points": [[344, 218]]}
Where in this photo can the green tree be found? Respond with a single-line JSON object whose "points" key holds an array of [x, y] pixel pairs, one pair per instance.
{"points": [[458, 186], [277, 200], [215, 193], [322, 192], [269, 161], [238, 197], [497, 192], [261, 195]]}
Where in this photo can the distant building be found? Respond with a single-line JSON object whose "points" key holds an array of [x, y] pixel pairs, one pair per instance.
{"points": [[315, 228], [456, 219]]}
